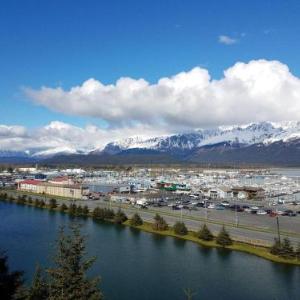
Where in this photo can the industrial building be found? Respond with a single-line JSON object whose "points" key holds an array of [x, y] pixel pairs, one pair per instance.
{"points": [[75, 191]]}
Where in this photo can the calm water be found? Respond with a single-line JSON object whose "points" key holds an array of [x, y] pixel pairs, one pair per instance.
{"points": [[137, 265]]}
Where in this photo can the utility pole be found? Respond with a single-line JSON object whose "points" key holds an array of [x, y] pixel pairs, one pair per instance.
{"points": [[278, 231]]}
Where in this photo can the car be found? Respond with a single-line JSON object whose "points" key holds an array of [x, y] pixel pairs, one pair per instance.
{"points": [[220, 207], [261, 212], [225, 203]]}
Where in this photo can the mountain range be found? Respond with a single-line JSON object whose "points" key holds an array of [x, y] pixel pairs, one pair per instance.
{"points": [[265, 143]]}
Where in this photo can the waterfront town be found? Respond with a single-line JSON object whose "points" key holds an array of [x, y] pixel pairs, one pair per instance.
{"points": [[254, 191]]}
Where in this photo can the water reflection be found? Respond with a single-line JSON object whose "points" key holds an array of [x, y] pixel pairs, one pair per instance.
{"points": [[223, 254]]}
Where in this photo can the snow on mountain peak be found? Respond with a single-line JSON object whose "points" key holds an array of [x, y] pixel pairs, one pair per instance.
{"points": [[248, 134]]}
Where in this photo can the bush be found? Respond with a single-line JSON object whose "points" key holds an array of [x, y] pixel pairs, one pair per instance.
{"points": [[224, 238], [159, 223], [136, 220], [120, 217], [180, 228], [29, 200], [42, 203], [205, 234], [37, 202], [276, 248]]}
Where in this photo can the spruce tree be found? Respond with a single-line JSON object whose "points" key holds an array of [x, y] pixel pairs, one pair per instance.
{"points": [[63, 207], [85, 211], [52, 203], [287, 250], [159, 223], [72, 210], [39, 289], [224, 238], [297, 252], [120, 217], [10, 282], [180, 228], [136, 220], [205, 234], [276, 247], [68, 279]]}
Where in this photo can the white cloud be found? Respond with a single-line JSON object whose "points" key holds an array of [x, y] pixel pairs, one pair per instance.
{"points": [[256, 91], [227, 40], [60, 136]]}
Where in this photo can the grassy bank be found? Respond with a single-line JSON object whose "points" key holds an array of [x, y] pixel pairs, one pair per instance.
{"points": [[263, 252]]}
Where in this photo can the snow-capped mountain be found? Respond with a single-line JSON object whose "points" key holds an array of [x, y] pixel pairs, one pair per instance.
{"points": [[264, 142], [244, 135]]}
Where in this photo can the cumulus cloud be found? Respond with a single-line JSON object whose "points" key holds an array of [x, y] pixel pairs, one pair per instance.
{"points": [[66, 137], [227, 40], [256, 91]]}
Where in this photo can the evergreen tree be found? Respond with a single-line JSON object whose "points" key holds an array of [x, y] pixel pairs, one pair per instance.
{"points": [[42, 203], [39, 289], [205, 234], [79, 210], [63, 207], [120, 217], [276, 247], [159, 223], [10, 282], [287, 250], [68, 279], [29, 200], [85, 211], [72, 210], [136, 220], [224, 238], [180, 228], [297, 252], [36, 202], [52, 203]]}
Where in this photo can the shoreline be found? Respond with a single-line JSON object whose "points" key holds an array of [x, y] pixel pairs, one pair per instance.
{"points": [[259, 251]]}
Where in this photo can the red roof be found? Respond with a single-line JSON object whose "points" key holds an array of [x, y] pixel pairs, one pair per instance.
{"points": [[30, 181]]}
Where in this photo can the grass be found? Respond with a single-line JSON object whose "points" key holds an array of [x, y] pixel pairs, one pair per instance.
{"points": [[259, 251]]}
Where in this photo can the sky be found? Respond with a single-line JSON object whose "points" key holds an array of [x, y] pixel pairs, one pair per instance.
{"points": [[101, 70]]}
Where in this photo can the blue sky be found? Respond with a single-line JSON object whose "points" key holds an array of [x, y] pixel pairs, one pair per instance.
{"points": [[63, 43]]}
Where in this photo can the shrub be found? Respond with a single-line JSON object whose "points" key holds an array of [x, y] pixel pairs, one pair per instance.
{"points": [[180, 228], [224, 238], [136, 220], [205, 234]]}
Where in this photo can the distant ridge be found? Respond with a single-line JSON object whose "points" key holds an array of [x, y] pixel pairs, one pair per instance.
{"points": [[256, 143]]}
